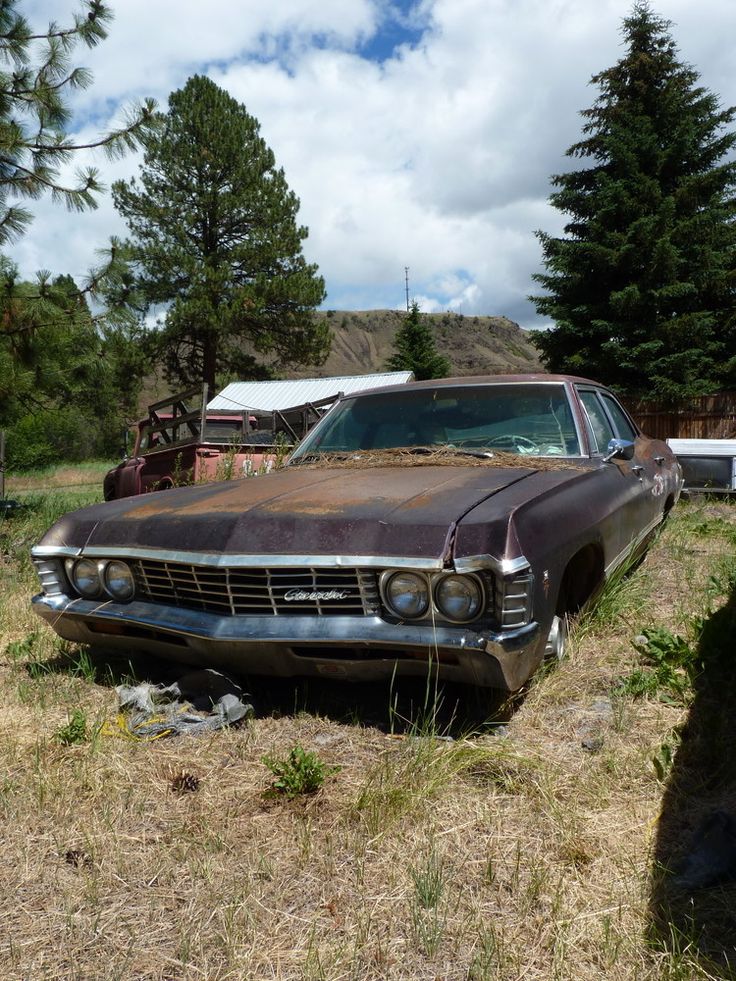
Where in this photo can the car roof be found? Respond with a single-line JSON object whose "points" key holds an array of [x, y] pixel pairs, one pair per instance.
{"points": [[473, 380]]}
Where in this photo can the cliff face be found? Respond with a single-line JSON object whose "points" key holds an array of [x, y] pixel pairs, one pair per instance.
{"points": [[363, 343]]}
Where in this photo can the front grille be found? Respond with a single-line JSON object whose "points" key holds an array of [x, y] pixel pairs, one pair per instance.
{"points": [[258, 592]]}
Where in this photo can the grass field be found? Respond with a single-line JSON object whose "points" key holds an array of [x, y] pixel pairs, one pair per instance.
{"points": [[537, 849]]}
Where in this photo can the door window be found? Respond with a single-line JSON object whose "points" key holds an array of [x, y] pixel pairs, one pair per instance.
{"points": [[620, 420], [600, 426]]}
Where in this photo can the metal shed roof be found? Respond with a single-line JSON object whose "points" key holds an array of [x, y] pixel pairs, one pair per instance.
{"points": [[270, 395]]}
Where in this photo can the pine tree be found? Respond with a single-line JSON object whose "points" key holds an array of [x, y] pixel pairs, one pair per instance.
{"points": [[214, 235], [50, 343], [641, 287], [68, 384], [416, 350], [35, 79]]}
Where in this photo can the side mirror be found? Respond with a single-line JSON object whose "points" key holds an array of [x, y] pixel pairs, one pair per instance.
{"points": [[619, 449]]}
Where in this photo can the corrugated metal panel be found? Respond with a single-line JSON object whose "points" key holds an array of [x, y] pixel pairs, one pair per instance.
{"points": [[286, 394]]}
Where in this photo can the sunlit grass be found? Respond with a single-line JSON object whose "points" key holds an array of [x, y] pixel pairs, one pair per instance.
{"points": [[424, 854]]}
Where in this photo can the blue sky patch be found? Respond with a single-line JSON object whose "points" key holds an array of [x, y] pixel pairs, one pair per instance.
{"points": [[400, 24]]}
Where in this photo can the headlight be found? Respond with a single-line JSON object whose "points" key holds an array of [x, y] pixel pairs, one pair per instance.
{"points": [[407, 594], [119, 581], [458, 598], [85, 577]]}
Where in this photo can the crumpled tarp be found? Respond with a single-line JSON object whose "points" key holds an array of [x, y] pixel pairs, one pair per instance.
{"points": [[200, 701]]}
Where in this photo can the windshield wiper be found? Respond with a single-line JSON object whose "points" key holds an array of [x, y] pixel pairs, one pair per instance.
{"points": [[478, 454]]}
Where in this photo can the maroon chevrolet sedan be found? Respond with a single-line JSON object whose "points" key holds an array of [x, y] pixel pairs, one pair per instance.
{"points": [[445, 525]]}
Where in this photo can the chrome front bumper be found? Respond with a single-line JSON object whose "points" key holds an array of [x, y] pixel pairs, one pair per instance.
{"points": [[352, 647]]}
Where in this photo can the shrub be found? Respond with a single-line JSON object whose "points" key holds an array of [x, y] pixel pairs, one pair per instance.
{"points": [[302, 772]]}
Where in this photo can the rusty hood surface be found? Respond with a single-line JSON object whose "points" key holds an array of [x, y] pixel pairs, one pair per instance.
{"points": [[382, 511]]}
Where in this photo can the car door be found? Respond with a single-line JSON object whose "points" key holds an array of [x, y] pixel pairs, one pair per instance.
{"points": [[630, 481], [649, 464]]}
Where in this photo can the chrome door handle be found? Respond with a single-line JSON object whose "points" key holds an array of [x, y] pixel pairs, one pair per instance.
{"points": [[659, 460], [637, 470]]}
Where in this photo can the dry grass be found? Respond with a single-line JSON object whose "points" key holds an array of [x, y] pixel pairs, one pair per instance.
{"points": [[434, 456], [81, 475], [489, 856]]}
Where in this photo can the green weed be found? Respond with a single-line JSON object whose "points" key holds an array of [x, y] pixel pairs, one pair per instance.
{"points": [[665, 755], [75, 731], [671, 665], [23, 648], [427, 916], [486, 960], [301, 772], [428, 881]]}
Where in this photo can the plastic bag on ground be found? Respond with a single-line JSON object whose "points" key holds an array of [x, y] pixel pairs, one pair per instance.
{"points": [[200, 701]]}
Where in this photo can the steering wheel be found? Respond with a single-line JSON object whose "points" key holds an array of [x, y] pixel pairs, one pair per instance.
{"points": [[513, 442]]}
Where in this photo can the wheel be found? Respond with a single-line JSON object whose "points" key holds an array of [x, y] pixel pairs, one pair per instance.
{"points": [[554, 649]]}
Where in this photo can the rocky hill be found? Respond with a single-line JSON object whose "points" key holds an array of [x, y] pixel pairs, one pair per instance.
{"points": [[363, 343]]}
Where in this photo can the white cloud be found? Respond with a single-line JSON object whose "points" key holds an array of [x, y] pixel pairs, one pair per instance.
{"points": [[438, 158]]}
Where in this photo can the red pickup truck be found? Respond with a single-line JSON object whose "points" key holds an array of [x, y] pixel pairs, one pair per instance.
{"points": [[175, 445]]}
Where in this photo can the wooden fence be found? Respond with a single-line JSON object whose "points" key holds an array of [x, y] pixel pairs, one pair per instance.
{"points": [[705, 417]]}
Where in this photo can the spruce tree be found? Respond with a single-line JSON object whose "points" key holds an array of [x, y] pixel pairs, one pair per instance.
{"points": [[641, 287], [214, 236], [416, 349]]}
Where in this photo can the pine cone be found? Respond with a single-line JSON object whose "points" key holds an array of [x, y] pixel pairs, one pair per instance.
{"points": [[185, 783]]}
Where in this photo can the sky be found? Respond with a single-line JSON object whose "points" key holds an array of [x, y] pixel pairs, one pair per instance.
{"points": [[415, 134]]}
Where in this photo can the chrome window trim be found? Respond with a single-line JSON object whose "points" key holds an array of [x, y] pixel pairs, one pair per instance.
{"points": [[303, 448]]}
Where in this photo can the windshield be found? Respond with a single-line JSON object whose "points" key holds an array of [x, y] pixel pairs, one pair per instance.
{"points": [[526, 419]]}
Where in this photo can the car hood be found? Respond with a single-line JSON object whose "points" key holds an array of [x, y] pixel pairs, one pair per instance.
{"points": [[392, 511]]}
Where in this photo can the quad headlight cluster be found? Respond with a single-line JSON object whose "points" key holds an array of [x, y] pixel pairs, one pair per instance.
{"points": [[101, 577], [411, 595]]}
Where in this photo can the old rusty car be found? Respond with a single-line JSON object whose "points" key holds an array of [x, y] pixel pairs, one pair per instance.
{"points": [[449, 524]]}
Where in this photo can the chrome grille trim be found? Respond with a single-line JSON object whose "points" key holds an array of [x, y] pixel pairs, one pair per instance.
{"points": [[235, 560], [51, 576], [513, 601], [242, 591]]}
